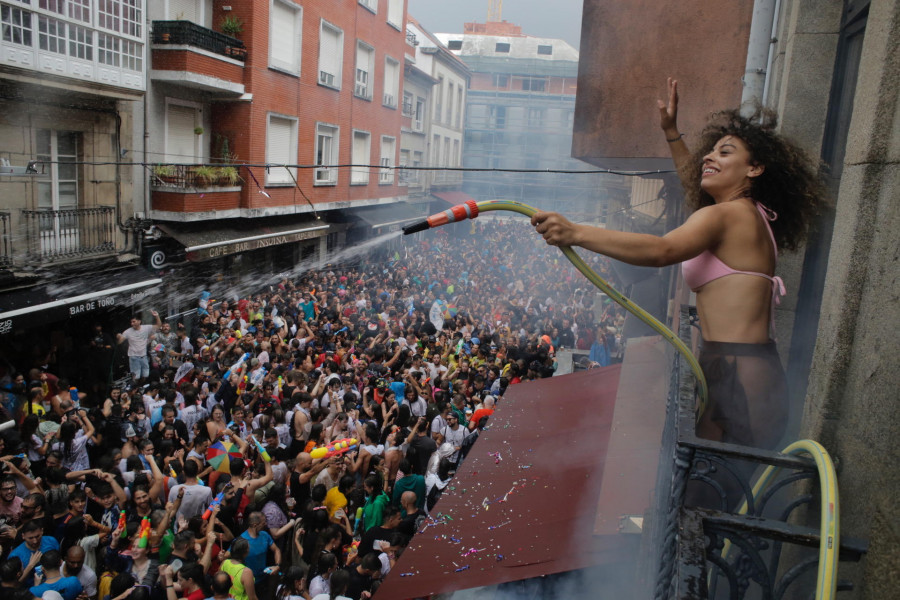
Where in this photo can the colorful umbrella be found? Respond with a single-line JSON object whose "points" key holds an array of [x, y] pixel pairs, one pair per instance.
{"points": [[219, 454]]}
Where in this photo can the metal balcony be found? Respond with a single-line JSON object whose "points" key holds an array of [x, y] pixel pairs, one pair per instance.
{"points": [[187, 33], [5, 244], [58, 235], [720, 552]]}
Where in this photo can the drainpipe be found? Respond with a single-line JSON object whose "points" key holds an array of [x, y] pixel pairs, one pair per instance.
{"points": [[759, 54], [772, 44]]}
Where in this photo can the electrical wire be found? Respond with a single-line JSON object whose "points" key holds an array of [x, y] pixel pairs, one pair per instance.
{"points": [[472, 209]]}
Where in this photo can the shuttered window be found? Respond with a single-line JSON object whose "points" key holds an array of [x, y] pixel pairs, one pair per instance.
{"points": [[285, 27], [331, 55], [281, 149], [361, 146]]}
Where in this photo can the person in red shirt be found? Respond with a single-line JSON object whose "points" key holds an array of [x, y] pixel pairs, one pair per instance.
{"points": [[486, 410]]}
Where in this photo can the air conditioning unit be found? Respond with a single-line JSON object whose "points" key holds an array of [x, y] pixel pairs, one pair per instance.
{"points": [[326, 78], [389, 100], [361, 90]]}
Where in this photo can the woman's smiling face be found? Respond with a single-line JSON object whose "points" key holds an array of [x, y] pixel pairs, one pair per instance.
{"points": [[728, 168]]}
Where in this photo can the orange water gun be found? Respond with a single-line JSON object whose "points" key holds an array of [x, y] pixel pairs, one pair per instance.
{"points": [[335, 448], [144, 538]]}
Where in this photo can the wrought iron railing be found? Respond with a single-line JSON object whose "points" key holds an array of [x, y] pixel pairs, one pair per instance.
{"points": [[187, 33], [191, 177], [716, 552], [5, 241], [55, 235]]}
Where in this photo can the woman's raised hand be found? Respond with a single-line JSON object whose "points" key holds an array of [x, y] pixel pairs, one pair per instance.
{"points": [[668, 110]]}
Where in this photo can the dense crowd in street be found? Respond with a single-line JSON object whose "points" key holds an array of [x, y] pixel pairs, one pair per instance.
{"points": [[288, 443]]}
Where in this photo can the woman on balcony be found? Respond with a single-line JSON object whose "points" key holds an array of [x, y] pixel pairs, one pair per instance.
{"points": [[753, 193]]}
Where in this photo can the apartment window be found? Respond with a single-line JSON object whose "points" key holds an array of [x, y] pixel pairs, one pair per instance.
{"points": [[81, 43], [409, 104], [447, 152], [365, 70], [395, 13], [501, 47], [419, 118], [109, 15], [388, 150], [404, 162], [132, 55], [449, 118], [436, 151], [417, 159], [331, 55], [438, 99], [131, 17], [57, 6], [545, 50], [391, 81], [455, 162], [454, 44], [109, 49], [51, 34], [534, 84], [459, 105], [362, 144], [80, 10], [16, 25], [535, 117], [372, 5], [501, 81], [326, 154], [281, 149], [497, 117], [285, 36], [60, 149]]}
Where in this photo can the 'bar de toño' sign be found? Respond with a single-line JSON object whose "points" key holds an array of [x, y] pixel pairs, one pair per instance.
{"points": [[246, 246]]}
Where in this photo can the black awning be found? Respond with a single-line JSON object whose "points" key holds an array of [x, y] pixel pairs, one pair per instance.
{"points": [[214, 242], [62, 299], [390, 215]]}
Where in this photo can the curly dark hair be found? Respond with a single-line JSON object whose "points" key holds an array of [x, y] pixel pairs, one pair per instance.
{"points": [[790, 184]]}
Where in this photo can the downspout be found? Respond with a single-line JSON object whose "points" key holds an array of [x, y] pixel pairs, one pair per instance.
{"points": [[772, 45], [758, 54]]}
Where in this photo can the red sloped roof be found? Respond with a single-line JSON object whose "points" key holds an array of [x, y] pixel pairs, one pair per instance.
{"points": [[525, 501]]}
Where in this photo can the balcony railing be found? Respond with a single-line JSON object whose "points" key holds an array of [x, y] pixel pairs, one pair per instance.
{"points": [[5, 243], [70, 233], [187, 33], [191, 177], [718, 553]]}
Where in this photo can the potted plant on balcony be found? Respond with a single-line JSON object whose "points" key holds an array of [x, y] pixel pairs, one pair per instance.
{"points": [[232, 26], [205, 175], [229, 176], [165, 173]]}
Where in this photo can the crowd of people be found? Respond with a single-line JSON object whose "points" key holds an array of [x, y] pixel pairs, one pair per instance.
{"points": [[218, 472]]}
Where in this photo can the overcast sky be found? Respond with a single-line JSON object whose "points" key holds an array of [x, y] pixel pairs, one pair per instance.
{"points": [[540, 18]]}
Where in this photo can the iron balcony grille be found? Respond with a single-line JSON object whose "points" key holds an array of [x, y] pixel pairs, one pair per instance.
{"points": [[187, 33], [5, 244], [54, 235]]}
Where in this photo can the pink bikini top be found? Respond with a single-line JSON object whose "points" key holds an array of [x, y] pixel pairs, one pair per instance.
{"points": [[706, 267]]}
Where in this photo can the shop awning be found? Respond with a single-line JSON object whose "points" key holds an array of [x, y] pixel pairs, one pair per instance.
{"points": [[390, 215], [62, 299], [525, 501], [222, 240], [453, 198]]}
